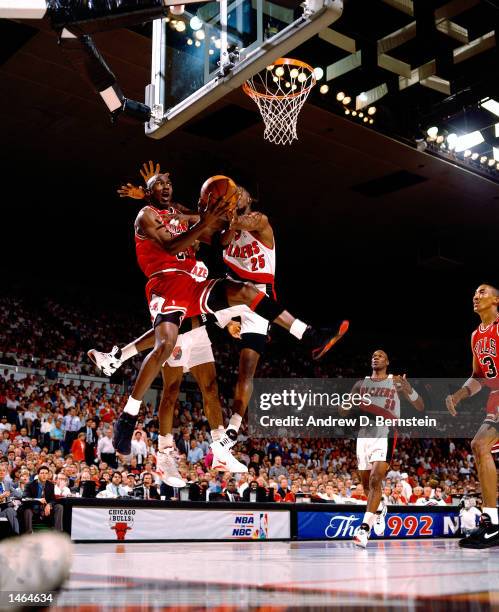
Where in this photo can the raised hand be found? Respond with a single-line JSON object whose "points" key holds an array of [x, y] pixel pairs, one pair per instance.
{"points": [[131, 191], [149, 170]]}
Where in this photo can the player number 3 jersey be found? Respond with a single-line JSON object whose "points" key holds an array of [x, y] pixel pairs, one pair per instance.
{"points": [[485, 344]]}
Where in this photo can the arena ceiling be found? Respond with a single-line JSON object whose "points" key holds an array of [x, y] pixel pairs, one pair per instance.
{"points": [[358, 198]]}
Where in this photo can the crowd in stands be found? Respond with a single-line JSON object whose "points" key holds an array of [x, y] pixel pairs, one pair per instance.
{"points": [[65, 426]]}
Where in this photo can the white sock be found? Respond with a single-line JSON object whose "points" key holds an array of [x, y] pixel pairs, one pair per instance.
{"points": [[235, 421], [492, 512], [217, 434], [369, 518], [298, 328], [128, 351], [132, 406], [165, 441]]}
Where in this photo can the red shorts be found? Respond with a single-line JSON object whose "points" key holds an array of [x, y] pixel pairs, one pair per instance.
{"points": [[178, 292]]}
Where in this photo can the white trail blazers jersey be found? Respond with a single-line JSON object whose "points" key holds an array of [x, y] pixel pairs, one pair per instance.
{"points": [[384, 397], [250, 259]]}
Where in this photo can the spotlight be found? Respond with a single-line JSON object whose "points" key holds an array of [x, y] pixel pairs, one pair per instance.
{"points": [[491, 162], [196, 23], [180, 26], [371, 121], [467, 141], [347, 111], [319, 73], [474, 156], [371, 110], [197, 43], [302, 77], [483, 159], [365, 120], [339, 96], [211, 52], [354, 113], [451, 141], [293, 73], [363, 97], [495, 153], [199, 34], [324, 89], [279, 71], [440, 139], [492, 106], [361, 114], [432, 132], [218, 44], [189, 41], [347, 100], [467, 153], [288, 84]]}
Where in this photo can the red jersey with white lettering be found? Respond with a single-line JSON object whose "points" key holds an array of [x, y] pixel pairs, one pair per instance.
{"points": [[151, 256], [485, 346], [250, 259]]}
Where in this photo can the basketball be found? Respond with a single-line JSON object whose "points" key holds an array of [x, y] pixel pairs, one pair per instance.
{"points": [[217, 187]]}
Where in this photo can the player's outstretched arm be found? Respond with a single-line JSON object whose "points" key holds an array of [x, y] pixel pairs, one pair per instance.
{"points": [[470, 387], [255, 222], [132, 191], [404, 386], [150, 225]]}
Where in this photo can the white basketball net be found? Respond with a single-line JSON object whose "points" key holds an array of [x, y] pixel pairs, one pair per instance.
{"points": [[280, 92]]}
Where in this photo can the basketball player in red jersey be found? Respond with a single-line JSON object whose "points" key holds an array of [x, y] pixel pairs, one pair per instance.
{"points": [[165, 255], [485, 350], [374, 454]]}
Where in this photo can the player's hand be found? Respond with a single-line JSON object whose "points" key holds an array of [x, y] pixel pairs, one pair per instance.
{"points": [[149, 170], [402, 384], [131, 191], [211, 216], [234, 329], [451, 403]]}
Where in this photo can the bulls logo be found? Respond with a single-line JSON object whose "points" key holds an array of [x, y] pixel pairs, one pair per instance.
{"points": [[121, 530]]}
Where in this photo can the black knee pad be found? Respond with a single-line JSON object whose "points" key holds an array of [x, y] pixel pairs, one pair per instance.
{"points": [[255, 342]]}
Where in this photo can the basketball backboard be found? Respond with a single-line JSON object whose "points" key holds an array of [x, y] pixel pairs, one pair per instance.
{"points": [[214, 47]]}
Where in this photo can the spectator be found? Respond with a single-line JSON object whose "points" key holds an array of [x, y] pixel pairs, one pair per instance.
{"points": [[44, 491], [255, 488], [105, 449], [397, 497], [78, 447], [115, 488], [427, 497], [358, 492], [90, 431], [139, 448], [61, 488], [231, 494], [148, 489], [56, 436], [7, 493], [195, 454], [71, 424], [417, 492], [278, 469]]}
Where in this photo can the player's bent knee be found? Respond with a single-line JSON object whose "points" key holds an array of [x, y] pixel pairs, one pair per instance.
{"points": [[479, 446]]}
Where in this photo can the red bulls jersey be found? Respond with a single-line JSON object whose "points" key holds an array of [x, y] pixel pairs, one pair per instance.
{"points": [[485, 346], [153, 259]]}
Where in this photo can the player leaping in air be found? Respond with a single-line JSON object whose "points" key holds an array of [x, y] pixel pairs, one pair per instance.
{"points": [[485, 351], [165, 255]]}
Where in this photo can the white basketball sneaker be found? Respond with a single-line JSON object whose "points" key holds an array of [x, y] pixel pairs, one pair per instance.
{"points": [[36, 563], [107, 363], [361, 536], [380, 523], [223, 459], [167, 468]]}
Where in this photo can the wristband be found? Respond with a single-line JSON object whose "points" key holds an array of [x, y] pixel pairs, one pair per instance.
{"points": [[472, 386], [413, 395]]}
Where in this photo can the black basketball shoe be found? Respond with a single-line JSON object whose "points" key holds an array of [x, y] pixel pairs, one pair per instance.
{"points": [[486, 536], [123, 432], [320, 342]]}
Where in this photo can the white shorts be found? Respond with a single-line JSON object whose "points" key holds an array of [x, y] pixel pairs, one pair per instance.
{"points": [[251, 323], [192, 349], [370, 450]]}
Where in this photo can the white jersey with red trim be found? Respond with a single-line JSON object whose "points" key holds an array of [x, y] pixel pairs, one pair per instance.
{"points": [[250, 259], [385, 400]]}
